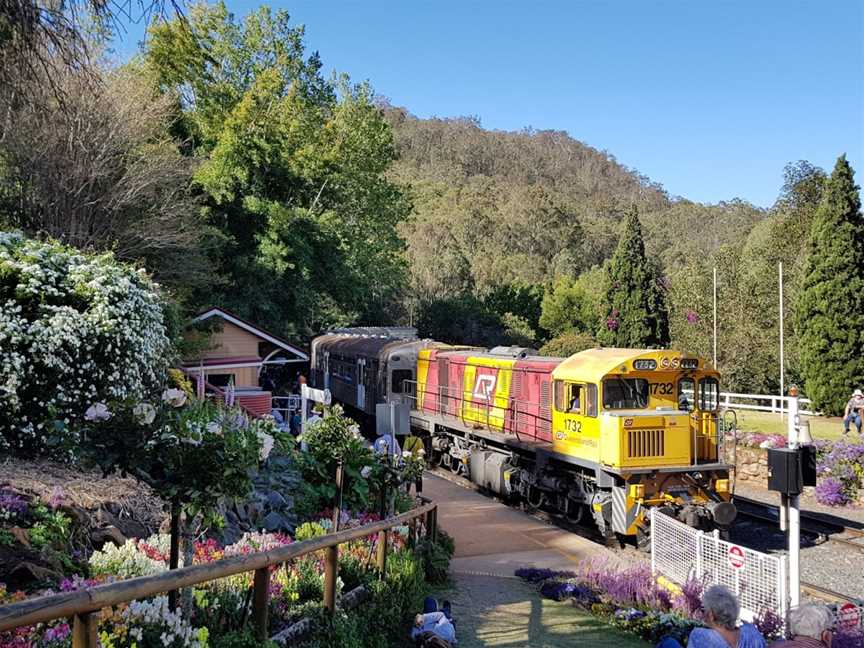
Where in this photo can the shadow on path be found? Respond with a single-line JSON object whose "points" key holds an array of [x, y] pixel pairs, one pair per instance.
{"points": [[506, 613]]}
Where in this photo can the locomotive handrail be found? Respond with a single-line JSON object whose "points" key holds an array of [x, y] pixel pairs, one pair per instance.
{"points": [[459, 401]]}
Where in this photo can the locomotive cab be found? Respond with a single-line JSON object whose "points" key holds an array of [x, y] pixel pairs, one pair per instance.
{"points": [[648, 419]]}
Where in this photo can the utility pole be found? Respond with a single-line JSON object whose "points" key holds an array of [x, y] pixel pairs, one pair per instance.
{"points": [[794, 504], [782, 366]]}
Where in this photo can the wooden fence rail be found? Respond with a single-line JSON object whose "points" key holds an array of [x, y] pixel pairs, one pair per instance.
{"points": [[82, 604]]}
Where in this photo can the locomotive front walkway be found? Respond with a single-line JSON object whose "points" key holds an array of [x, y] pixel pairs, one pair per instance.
{"points": [[491, 606]]}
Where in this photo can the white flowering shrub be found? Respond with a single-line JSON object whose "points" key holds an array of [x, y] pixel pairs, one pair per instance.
{"points": [[128, 561], [76, 330]]}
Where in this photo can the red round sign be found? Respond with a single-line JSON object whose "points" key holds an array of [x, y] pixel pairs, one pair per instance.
{"points": [[736, 557], [849, 616]]}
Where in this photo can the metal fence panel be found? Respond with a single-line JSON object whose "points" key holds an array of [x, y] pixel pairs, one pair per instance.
{"points": [[681, 553]]}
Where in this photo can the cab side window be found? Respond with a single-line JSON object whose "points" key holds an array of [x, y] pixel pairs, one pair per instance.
{"points": [[709, 394], [575, 398], [686, 394]]}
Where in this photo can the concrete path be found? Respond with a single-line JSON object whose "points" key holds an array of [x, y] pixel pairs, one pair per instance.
{"points": [[494, 539], [491, 606]]}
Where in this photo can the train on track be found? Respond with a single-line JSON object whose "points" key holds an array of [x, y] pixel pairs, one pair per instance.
{"points": [[601, 436]]}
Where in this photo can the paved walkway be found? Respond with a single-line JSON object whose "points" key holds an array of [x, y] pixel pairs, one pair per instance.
{"points": [[494, 539], [491, 606]]}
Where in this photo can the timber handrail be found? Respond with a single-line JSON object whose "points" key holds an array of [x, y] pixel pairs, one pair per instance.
{"points": [[81, 603]]}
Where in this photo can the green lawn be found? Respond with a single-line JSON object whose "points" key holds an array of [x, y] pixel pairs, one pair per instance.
{"points": [[821, 427]]}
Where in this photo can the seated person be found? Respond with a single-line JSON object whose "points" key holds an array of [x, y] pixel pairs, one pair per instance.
{"points": [[811, 626], [434, 629], [721, 620], [280, 420]]}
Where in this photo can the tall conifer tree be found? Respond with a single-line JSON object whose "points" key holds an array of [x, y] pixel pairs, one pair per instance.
{"points": [[637, 315], [829, 315]]}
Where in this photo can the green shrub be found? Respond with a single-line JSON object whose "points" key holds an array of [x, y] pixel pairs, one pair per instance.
{"points": [[240, 639], [309, 530], [436, 557]]}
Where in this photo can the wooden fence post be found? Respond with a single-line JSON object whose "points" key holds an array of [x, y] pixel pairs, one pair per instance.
{"points": [[84, 633], [331, 569], [337, 498], [261, 603], [381, 561], [432, 524]]}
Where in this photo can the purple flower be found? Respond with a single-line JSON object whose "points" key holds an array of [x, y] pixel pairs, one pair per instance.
{"points": [[612, 324], [848, 639], [57, 497], [691, 316], [830, 492], [534, 575], [769, 623], [12, 503], [57, 633], [689, 601]]}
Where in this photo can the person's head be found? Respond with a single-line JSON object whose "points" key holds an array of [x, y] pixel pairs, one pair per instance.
{"points": [[812, 620], [857, 393], [721, 607]]}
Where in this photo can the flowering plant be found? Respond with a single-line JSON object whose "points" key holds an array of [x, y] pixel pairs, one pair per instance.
{"points": [[841, 468], [76, 330]]}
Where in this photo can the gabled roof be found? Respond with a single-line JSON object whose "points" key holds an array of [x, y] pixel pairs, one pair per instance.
{"points": [[257, 331]]}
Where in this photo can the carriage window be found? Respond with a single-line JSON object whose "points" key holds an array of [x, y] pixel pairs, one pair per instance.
{"points": [[709, 394], [625, 393], [401, 381], [686, 394]]}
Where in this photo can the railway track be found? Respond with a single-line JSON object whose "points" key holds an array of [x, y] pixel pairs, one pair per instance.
{"points": [[825, 529], [753, 509]]}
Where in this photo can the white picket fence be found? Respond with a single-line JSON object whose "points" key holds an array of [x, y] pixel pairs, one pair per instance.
{"points": [[682, 553], [762, 403]]}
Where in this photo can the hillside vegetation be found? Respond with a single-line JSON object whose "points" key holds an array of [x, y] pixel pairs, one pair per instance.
{"points": [[223, 161], [502, 219]]}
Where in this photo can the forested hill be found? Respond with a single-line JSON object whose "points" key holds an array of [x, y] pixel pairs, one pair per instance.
{"points": [[495, 207]]}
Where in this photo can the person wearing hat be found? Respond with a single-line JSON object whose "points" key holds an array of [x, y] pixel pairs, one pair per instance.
{"points": [[853, 411]]}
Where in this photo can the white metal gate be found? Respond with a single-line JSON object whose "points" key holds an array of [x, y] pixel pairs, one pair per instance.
{"points": [[682, 553]]}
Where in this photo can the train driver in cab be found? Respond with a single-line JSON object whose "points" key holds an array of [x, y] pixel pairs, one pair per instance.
{"points": [[575, 400]]}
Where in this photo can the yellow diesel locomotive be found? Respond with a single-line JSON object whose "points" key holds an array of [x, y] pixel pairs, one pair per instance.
{"points": [[603, 435]]}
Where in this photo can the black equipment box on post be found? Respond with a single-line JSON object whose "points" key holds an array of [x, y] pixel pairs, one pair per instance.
{"points": [[790, 470]]}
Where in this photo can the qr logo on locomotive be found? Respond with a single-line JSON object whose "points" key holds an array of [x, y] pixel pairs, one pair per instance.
{"points": [[484, 387]]}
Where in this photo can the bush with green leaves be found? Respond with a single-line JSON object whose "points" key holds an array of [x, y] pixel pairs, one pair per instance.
{"points": [[75, 329], [336, 437]]}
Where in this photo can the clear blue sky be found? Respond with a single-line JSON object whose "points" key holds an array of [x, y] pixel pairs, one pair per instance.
{"points": [[709, 98]]}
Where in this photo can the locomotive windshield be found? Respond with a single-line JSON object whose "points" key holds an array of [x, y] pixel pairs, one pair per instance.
{"points": [[625, 393]]}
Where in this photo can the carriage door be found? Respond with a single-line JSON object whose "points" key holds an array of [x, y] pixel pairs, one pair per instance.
{"points": [[443, 385], [361, 383], [326, 369], [709, 403]]}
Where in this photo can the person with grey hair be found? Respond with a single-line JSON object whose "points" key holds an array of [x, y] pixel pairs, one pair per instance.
{"points": [[720, 608], [811, 626]]}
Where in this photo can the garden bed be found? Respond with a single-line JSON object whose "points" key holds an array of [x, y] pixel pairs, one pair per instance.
{"points": [[633, 601], [840, 465]]}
